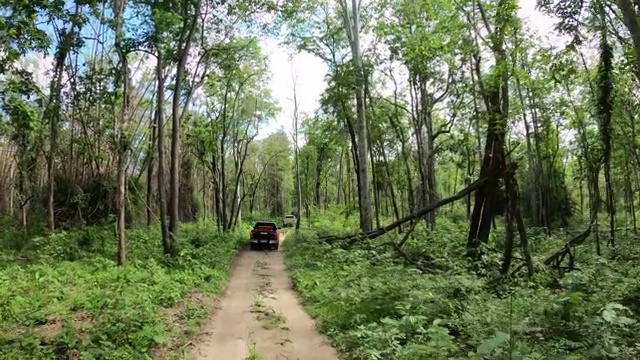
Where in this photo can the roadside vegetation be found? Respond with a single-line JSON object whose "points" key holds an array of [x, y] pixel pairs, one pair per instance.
{"points": [[61, 295], [372, 304]]}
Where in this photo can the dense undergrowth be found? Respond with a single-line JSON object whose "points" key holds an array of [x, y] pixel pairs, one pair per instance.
{"points": [[372, 305], [61, 296]]}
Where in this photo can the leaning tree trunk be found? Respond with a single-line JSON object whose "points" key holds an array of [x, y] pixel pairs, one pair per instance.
{"points": [[52, 114]]}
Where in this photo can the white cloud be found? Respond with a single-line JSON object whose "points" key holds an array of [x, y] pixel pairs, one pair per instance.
{"points": [[40, 66], [141, 66], [540, 23]]}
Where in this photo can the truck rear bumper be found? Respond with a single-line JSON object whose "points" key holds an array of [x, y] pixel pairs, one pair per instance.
{"points": [[264, 244], [264, 241]]}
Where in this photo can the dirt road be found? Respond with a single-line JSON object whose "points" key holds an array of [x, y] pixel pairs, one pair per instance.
{"points": [[260, 317]]}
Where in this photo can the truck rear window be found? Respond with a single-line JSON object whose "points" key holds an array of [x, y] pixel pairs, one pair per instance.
{"points": [[265, 226]]}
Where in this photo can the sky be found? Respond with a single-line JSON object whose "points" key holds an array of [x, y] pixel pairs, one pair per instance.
{"points": [[311, 71]]}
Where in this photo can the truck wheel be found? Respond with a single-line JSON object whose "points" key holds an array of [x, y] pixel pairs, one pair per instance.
{"points": [[252, 247]]}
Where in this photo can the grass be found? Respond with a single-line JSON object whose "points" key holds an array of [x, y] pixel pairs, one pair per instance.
{"points": [[264, 284], [372, 305], [62, 296], [264, 313], [269, 318], [253, 353]]}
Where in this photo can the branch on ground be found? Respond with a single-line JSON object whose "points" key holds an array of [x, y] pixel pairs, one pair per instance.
{"points": [[397, 246], [416, 215], [555, 259]]}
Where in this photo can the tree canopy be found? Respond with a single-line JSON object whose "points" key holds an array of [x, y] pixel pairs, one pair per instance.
{"points": [[453, 143]]}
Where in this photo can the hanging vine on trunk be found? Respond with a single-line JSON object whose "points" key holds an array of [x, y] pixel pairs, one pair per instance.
{"points": [[604, 112]]}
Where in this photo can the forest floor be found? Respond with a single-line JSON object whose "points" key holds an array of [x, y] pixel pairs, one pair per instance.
{"points": [[260, 317]]}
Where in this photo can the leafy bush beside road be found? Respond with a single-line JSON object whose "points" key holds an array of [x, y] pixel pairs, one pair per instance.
{"points": [[69, 298]]}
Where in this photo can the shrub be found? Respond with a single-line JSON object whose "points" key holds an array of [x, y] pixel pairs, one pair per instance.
{"points": [[71, 298], [374, 306]]}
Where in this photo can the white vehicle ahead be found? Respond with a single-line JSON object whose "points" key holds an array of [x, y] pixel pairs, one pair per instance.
{"points": [[289, 220]]}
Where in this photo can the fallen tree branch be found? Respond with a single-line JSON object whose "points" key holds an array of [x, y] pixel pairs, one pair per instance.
{"points": [[397, 246], [608, 230], [410, 260], [556, 258], [418, 214], [406, 236]]}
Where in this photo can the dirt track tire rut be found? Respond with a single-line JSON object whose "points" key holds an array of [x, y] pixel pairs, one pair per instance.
{"points": [[260, 314]]}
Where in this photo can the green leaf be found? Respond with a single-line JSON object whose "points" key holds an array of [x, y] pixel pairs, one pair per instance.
{"points": [[488, 346], [609, 315]]}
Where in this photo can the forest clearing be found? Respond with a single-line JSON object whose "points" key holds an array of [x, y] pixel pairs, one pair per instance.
{"points": [[464, 174]]}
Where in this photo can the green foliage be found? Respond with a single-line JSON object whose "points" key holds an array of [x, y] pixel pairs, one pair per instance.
{"points": [[70, 298], [273, 163], [334, 220], [557, 201], [374, 306], [92, 202], [20, 31], [420, 32]]}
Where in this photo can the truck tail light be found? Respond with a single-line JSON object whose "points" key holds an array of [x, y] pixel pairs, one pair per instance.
{"points": [[251, 233]]}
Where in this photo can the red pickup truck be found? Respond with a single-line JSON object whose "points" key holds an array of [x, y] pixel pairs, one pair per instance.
{"points": [[264, 234]]}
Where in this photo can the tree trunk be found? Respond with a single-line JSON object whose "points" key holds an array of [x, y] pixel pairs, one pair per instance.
{"points": [[496, 98], [166, 241], [153, 125], [121, 141], [189, 27], [352, 26], [53, 115]]}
